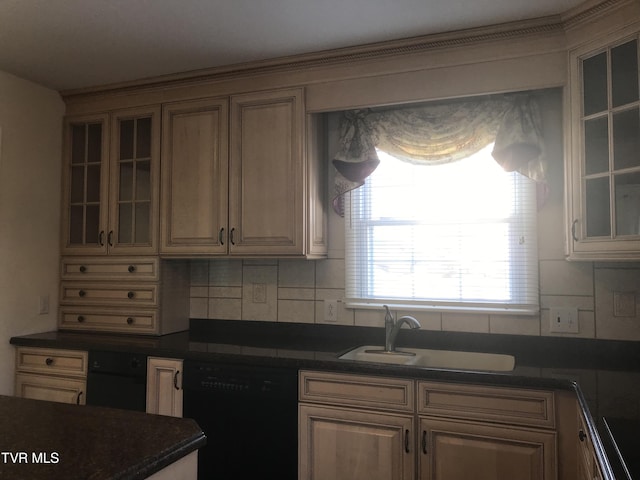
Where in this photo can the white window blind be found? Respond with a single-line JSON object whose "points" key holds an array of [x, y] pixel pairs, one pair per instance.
{"points": [[459, 236]]}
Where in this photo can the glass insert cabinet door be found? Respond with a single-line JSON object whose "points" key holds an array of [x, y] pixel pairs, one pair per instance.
{"points": [[609, 171], [113, 205]]}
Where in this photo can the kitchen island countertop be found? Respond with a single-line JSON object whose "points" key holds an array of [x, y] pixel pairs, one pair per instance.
{"points": [[48, 440]]}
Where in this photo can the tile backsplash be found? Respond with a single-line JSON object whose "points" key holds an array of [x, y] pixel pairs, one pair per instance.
{"points": [[295, 291]]}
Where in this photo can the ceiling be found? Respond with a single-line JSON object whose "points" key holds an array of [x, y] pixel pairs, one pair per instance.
{"points": [[71, 44]]}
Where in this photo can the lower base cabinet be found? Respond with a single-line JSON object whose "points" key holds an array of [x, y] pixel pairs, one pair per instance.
{"points": [[354, 427], [463, 450], [164, 386], [51, 374], [345, 444]]}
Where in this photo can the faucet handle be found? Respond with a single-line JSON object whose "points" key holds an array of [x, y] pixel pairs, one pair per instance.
{"points": [[388, 314]]}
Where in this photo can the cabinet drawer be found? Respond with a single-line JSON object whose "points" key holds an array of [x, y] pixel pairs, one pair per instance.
{"points": [[490, 404], [100, 319], [109, 294], [51, 361], [358, 391], [121, 268], [53, 389]]}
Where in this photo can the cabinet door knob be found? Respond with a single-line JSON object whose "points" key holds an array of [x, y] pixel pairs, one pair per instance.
{"points": [[131, 294], [132, 268], [424, 442], [406, 440], [82, 293], [130, 321], [80, 318], [582, 436], [231, 240], [101, 238], [573, 230], [110, 238], [221, 236], [49, 361], [82, 269], [175, 380], [78, 398]]}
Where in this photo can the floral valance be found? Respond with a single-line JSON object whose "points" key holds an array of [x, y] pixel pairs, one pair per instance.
{"points": [[439, 133]]}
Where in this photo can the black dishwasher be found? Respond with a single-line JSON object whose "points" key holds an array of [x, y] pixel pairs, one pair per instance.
{"points": [[249, 415], [117, 379]]}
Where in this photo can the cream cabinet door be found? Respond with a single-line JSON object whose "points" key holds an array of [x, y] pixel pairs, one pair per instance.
{"points": [[349, 444], [460, 450], [50, 388], [85, 180], [134, 174], [195, 158], [267, 174], [164, 386]]}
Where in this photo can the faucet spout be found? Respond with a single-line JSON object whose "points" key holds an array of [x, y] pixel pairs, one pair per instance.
{"points": [[392, 327]]}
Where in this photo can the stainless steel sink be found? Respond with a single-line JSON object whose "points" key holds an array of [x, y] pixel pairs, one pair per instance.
{"points": [[444, 359]]}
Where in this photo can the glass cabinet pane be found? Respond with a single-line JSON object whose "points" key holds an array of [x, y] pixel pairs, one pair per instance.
{"points": [[93, 223], [598, 207], [134, 176], [84, 183], [126, 181], [94, 143], [142, 222], [626, 139], [143, 181], [624, 74], [143, 138], [594, 74], [78, 144], [77, 183], [125, 232], [628, 204], [596, 148], [93, 183], [126, 139]]}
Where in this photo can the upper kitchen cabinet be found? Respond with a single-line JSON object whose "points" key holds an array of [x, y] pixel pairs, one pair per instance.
{"points": [[243, 177], [195, 165], [603, 174], [110, 183]]}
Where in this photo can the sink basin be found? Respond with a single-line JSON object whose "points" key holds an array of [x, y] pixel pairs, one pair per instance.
{"points": [[443, 359]]}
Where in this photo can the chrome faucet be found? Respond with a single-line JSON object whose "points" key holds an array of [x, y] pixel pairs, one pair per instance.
{"points": [[392, 327]]}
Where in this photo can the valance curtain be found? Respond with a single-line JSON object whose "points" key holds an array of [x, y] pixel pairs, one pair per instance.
{"points": [[440, 133]]}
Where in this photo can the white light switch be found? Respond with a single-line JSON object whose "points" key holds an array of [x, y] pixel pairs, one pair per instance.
{"points": [[564, 320]]}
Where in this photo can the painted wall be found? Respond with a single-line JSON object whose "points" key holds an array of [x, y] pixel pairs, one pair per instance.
{"points": [[296, 288], [30, 156]]}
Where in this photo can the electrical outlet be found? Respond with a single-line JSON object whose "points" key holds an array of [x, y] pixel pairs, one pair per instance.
{"points": [[43, 304], [564, 320], [259, 293], [331, 311]]}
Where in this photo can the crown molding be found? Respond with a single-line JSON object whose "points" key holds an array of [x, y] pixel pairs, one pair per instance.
{"points": [[590, 9], [570, 19], [373, 51]]}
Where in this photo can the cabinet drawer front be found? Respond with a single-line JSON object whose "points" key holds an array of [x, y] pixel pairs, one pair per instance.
{"points": [[51, 361], [121, 268], [53, 389], [358, 391], [494, 404], [109, 294], [98, 319]]}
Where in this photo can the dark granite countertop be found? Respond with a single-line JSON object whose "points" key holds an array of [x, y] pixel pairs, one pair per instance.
{"points": [[45, 440], [604, 374]]}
